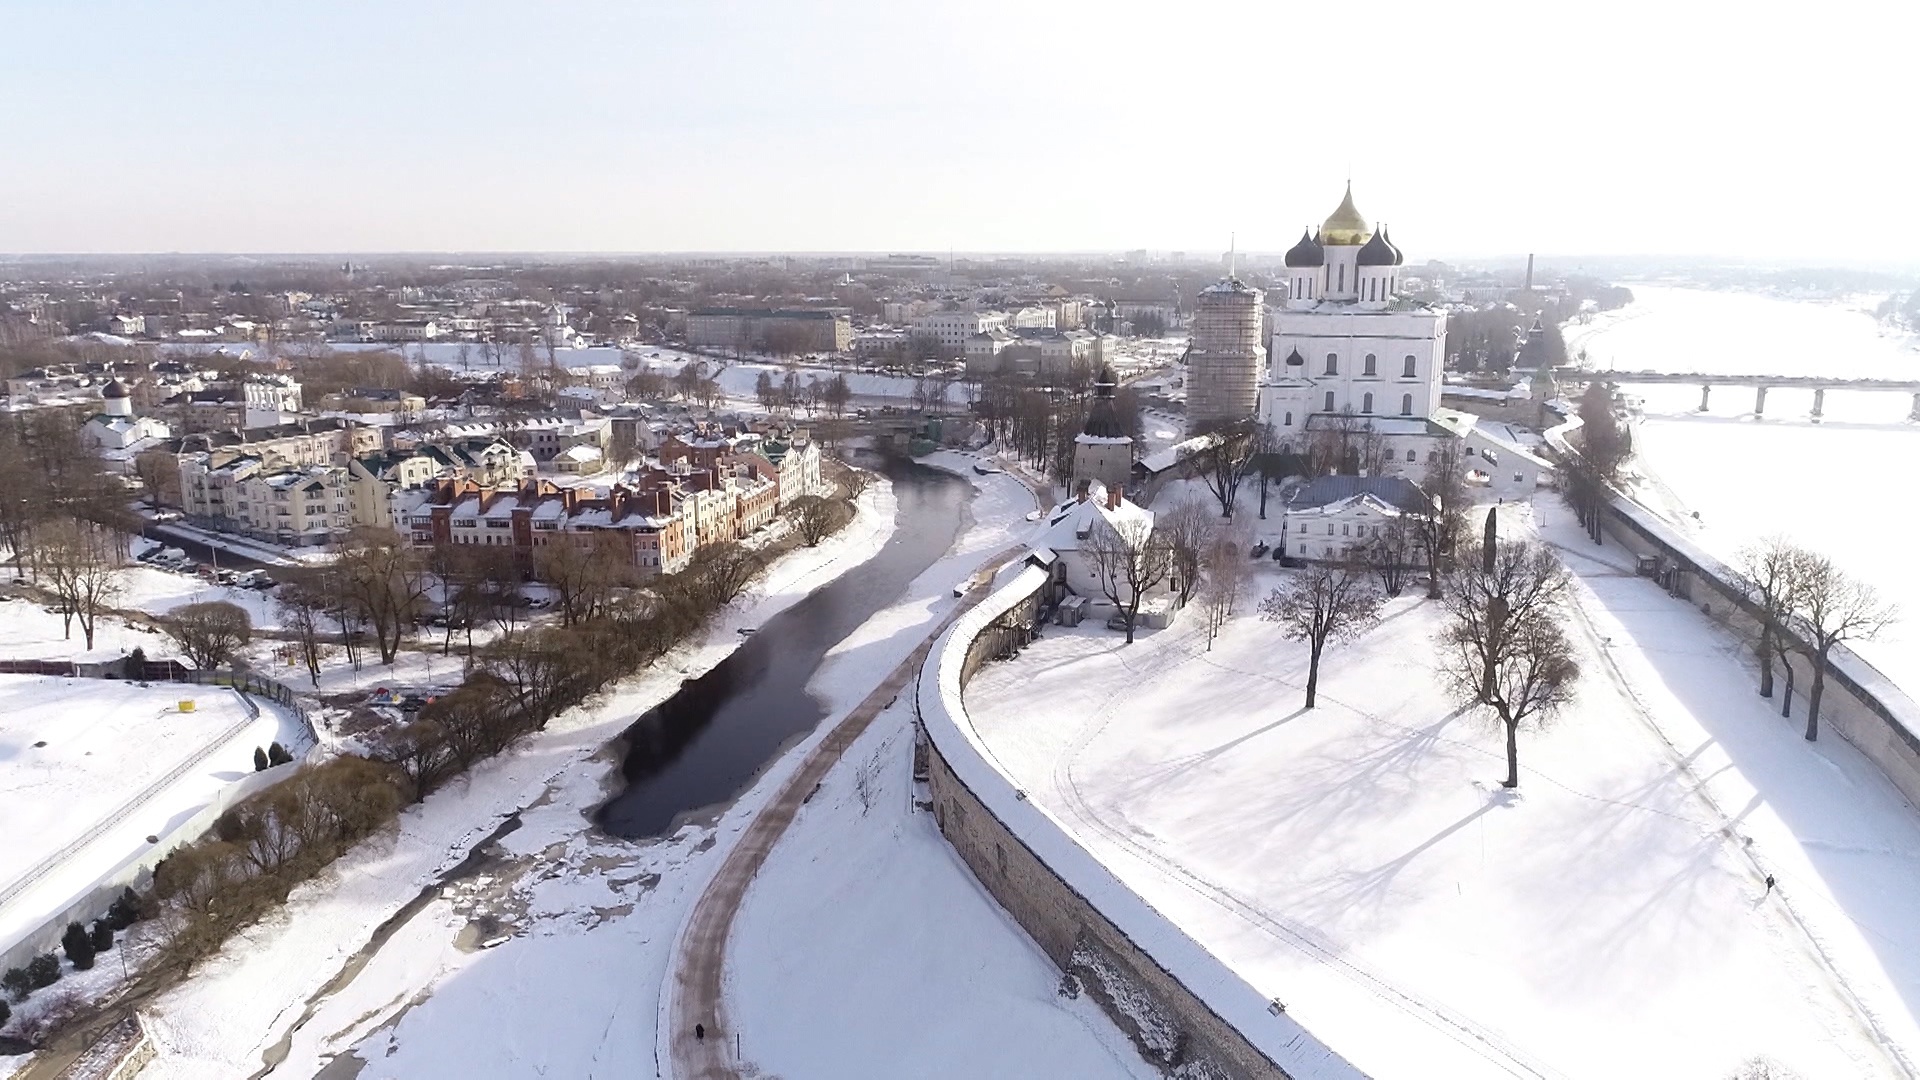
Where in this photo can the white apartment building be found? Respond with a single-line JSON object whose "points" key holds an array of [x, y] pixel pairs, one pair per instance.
{"points": [[952, 328]]}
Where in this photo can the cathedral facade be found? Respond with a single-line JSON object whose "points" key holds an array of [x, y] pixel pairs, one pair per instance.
{"points": [[1344, 341]]}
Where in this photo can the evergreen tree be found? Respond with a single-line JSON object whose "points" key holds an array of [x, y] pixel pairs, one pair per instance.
{"points": [[6, 1013], [260, 762], [17, 983], [125, 910], [277, 755], [79, 946], [102, 935], [43, 970]]}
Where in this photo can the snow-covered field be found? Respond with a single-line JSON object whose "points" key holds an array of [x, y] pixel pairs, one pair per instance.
{"points": [[1832, 486], [1360, 863], [113, 762]]}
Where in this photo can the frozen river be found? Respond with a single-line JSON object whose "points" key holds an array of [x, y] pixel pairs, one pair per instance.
{"points": [[1843, 486]]}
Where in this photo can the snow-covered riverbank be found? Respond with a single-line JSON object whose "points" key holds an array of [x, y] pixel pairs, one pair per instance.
{"points": [[238, 1005], [1836, 486]]}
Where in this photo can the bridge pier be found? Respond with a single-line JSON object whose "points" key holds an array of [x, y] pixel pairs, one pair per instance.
{"points": [[1819, 402], [1705, 390], [1760, 403]]}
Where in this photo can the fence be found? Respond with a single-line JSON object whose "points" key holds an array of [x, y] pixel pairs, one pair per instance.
{"points": [[245, 687]]}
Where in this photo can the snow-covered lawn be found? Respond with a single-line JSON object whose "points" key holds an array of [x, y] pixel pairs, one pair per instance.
{"points": [[1360, 863], [109, 762], [31, 632]]}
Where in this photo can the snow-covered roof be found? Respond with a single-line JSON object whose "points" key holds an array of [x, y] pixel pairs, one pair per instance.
{"points": [[1323, 492], [1071, 522]]}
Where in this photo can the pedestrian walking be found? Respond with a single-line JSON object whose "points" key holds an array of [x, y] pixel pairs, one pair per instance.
{"points": [[1769, 891], [700, 1030]]}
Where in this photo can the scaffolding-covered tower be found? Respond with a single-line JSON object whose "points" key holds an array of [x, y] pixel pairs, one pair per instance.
{"points": [[1225, 359]]}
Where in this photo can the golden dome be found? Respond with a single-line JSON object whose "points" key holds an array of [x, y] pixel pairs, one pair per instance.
{"points": [[1345, 225]]}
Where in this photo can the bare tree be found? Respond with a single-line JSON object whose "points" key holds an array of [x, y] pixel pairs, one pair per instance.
{"points": [[304, 612], [1533, 679], [1326, 602], [1770, 574], [159, 475], [1503, 644], [1227, 572], [1189, 529], [383, 582], [584, 573], [209, 633], [1129, 559], [1345, 443], [1392, 553], [80, 563], [815, 517], [1441, 522], [1225, 461], [1833, 607]]}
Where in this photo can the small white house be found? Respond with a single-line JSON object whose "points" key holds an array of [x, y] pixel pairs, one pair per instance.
{"points": [[1325, 519], [1071, 530]]}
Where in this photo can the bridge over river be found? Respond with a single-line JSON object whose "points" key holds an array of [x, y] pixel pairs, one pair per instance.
{"points": [[1763, 383]]}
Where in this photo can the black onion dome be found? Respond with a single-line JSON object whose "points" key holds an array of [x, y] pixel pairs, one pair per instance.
{"points": [[1376, 252], [1307, 252], [116, 389], [1399, 257], [1294, 359], [1103, 422]]}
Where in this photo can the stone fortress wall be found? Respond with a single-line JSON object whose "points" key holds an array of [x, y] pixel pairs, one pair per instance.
{"points": [[1183, 1009]]}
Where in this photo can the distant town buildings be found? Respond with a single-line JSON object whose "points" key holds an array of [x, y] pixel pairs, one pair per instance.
{"points": [[787, 329]]}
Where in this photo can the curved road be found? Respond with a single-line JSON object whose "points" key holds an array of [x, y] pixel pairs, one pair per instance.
{"points": [[700, 954]]}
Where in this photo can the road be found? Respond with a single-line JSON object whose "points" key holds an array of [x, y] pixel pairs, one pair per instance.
{"points": [[694, 982]]}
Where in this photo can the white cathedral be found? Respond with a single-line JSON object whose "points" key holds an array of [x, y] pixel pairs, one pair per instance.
{"points": [[1343, 340]]}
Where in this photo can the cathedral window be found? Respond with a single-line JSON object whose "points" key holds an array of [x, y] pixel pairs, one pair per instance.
{"points": [[1341, 283], [1409, 457], [1407, 371], [1366, 403], [1333, 363], [1406, 404], [1288, 422], [1329, 401], [1370, 366]]}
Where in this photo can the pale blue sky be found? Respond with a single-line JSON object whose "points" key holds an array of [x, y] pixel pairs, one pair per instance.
{"points": [[1682, 126]]}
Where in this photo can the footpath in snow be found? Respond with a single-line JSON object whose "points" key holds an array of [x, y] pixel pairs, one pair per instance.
{"points": [[1360, 863]]}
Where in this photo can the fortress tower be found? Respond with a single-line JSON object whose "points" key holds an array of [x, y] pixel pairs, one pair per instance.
{"points": [[1226, 359], [1103, 451]]}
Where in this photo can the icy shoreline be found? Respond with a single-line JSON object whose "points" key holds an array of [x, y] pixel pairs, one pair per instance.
{"points": [[239, 1003]]}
